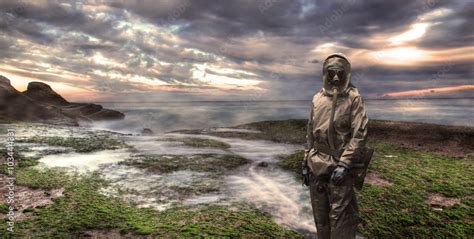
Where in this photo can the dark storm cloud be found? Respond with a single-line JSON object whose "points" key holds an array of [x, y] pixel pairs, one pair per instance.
{"points": [[348, 21], [21, 19], [45, 11], [454, 30], [219, 18], [281, 17], [440, 70], [273, 41]]}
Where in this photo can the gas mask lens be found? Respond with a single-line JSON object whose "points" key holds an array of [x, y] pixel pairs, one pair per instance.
{"points": [[339, 73], [333, 72]]}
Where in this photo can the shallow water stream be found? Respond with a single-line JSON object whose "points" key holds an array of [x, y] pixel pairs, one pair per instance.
{"points": [[263, 185]]}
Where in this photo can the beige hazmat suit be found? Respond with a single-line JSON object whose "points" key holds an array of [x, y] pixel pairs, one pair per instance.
{"points": [[334, 205]]}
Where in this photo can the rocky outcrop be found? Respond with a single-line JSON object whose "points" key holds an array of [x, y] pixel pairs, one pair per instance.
{"points": [[41, 92], [91, 112], [40, 103], [16, 106], [147, 131]]}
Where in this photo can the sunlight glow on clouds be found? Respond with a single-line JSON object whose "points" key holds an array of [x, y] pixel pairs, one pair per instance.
{"points": [[324, 47], [21, 82], [101, 60], [417, 30], [400, 55], [431, 90], [223, 81], [434, 14]]}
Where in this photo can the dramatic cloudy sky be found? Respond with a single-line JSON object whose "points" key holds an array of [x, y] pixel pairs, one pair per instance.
{"points": [[236, 50]]}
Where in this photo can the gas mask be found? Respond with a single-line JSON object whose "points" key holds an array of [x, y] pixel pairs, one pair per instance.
{"points": [[336, 77], [336, 74]]}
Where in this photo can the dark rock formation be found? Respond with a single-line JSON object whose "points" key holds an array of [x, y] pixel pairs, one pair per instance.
{"points": [[147, 131], [91, 112], [16, 106], [40, 103], [41, 92]]}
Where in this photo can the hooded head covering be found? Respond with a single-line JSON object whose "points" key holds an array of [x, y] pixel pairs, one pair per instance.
{"points": [[336, 73]]}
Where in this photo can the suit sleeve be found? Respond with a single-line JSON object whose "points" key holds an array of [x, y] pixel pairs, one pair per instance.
{"points": [[309, 134], [359, 131]]}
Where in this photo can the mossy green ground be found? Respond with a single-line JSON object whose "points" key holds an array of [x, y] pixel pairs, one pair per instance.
{"points": [[20, 160], [282, 131], [199, 143], [6, 120], [83, 208], [79, 144], [400, 210], [197, 162]]}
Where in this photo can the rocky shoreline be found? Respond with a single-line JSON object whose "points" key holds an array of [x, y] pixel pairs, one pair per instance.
{"points": [[448, 140], [40, 103]]}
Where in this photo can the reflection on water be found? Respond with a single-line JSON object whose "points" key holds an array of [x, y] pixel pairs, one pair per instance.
{"points": [[166, 116]]}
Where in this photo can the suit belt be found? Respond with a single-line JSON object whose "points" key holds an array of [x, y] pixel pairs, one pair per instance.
{"points": [[327, 150]]}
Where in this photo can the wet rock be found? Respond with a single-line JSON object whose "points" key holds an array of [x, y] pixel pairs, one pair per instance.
{"points": [[88, 109], [147, 131], [262, 164], [107, 114]]}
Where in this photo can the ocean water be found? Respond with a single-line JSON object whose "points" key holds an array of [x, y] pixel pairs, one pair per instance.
{"points": [[167, 116]]}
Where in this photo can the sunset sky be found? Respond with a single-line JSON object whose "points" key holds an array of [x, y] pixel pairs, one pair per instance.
{"points": [[236, 50]]}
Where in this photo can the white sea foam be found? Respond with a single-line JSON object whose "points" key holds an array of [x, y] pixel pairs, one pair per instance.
{"points": [[84, 162]]}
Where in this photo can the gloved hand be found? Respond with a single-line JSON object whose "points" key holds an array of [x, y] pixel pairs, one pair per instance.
{"points": [[339, 174]]}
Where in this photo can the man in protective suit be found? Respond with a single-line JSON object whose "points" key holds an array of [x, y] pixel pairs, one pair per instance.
{"points": [[337, 132]]}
